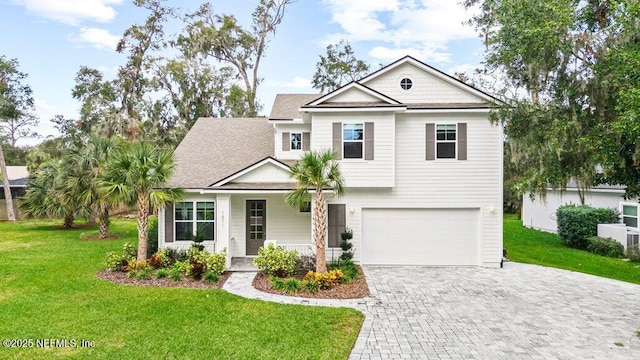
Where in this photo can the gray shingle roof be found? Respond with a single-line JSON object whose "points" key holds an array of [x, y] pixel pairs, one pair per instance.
{"points": [[285, 106], [215, 148]]}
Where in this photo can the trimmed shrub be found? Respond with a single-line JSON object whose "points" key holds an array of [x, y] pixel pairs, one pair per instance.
{"points": [[211, 277], [162, 273], [144, 274], [217, 262], [152, 238], [577, 223], [129, 251], [325, 280], [348, 268], [310, 285], [605, 247], [291, 286], [197, 267], [159, 260], [116, 262], [137, 265], [633, 253], [276, 261], [175, 274]]}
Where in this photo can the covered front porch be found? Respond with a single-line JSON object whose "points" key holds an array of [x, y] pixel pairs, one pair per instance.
{"points": [[238, 221]]}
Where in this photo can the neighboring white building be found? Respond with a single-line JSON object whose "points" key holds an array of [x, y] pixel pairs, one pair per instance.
{"points": [[421, 161], [538, 213]]}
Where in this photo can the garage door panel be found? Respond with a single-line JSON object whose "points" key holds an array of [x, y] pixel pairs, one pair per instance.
{"points": [[420, 236]]}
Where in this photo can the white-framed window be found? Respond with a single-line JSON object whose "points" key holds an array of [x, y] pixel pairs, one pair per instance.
{"points": [[353, 140], [194, 217], [446, 141], [296, 141], [629, 213]]}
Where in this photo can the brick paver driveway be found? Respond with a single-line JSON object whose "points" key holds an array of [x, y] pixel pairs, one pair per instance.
{"points": [[519, 312]]}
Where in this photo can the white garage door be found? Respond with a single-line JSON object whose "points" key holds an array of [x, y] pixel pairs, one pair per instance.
{"points": [[420, 236]]}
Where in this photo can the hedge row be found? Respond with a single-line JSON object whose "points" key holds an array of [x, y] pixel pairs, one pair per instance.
{"points": [[577, 223]]}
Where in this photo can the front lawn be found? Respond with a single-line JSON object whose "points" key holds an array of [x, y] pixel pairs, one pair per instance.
{"points": [[49, 290], [542, 248]]}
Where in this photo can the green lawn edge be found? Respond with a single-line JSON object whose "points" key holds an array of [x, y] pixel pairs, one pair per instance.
{"points": [[49, 290], [537, 247]]}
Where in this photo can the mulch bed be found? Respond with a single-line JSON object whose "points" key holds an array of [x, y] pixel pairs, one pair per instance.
{"points": [[122, 278], [355, 290]]}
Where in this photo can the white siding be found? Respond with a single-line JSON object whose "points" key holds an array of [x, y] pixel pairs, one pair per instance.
{"points": [[353, 95], [265, 173], [440, 184], [426, 88], [284, 224], [280, 128], [357, 172], [539, 214]]}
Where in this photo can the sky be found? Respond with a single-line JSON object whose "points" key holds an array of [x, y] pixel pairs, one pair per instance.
{"points": [[52, 39]]}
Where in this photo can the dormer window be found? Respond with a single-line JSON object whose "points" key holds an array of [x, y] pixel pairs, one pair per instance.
{"points": [[406, 83]]}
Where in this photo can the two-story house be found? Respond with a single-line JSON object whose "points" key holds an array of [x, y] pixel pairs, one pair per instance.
{"points": [[422, 165]]}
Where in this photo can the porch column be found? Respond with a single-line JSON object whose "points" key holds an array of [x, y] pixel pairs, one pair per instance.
{"points": [[223, 218]]}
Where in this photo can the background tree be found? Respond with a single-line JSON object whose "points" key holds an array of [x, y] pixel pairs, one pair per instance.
{"points": [[318, 171], [338, 67], [221, 37], [16, 105], [548, 53], [135, 174]]}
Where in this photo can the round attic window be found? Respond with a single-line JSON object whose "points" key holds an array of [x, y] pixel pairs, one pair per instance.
{"points": [[406, 84]]}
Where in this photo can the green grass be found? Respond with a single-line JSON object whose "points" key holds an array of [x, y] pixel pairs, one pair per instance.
{"points": [[542, 248], [49, 290]]}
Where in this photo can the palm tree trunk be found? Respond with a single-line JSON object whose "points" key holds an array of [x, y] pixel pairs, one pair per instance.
{"points": [[143, 221], [103, 221], [320, 230], [7, 190], [68, 221]]}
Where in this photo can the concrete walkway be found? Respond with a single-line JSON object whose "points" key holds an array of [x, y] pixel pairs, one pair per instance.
{"points": [[519, 312]]}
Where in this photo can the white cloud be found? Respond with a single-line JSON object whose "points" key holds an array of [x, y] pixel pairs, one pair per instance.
{"points": [[427, 54], [298, 83], [72, 12], [97, 38], [416, 27]]}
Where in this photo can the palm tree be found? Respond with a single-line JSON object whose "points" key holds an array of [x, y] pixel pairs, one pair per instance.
{"points": [[90, 161], [134, 174], [48, 194], [318, 171]]}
